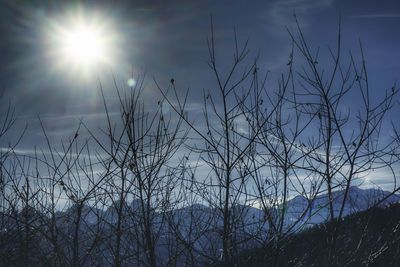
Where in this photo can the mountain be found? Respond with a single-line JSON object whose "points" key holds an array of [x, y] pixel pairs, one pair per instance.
{"points": [[187, 233], [307, 211], [315, 211], [89, 215]]}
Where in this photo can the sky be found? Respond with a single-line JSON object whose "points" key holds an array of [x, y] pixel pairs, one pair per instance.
{"points": [[167, 39]]}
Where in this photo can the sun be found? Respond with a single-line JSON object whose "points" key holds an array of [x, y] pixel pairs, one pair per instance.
{"points": [[81, 43]]}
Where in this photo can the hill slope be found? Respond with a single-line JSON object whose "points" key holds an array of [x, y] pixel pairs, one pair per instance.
{"points": [[367, 238]]}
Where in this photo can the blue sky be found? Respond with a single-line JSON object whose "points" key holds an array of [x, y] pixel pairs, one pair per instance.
{"points": [[168, 39]]}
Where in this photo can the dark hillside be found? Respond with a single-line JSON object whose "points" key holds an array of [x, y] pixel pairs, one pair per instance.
{"points": [[369, 238]]}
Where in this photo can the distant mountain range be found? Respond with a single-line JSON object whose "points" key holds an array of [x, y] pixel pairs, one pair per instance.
{"points": [[196, 226], [308, 212]]}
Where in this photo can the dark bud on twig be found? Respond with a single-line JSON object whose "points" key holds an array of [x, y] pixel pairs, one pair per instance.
{"points": [[172, 81], [255, 71], [290, 59], [131, 166]]}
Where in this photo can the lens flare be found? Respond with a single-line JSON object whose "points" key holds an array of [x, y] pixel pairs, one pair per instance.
{"points": [[131, 82]]}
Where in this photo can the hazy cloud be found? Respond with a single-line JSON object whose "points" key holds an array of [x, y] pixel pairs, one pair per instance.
{"points": [[282, 11], [375, 16]]}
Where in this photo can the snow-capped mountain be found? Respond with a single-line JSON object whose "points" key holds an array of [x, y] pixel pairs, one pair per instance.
{"points": [[315, 211], [299, 211]]}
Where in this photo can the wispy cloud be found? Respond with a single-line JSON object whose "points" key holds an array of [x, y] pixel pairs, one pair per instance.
{"points": [[375, 16], [59, 153], [282, 11], [69, 116], [303, 5]]}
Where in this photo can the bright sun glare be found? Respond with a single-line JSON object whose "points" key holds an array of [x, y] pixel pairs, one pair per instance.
{"points": [[84, 45], [81, 44]]}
